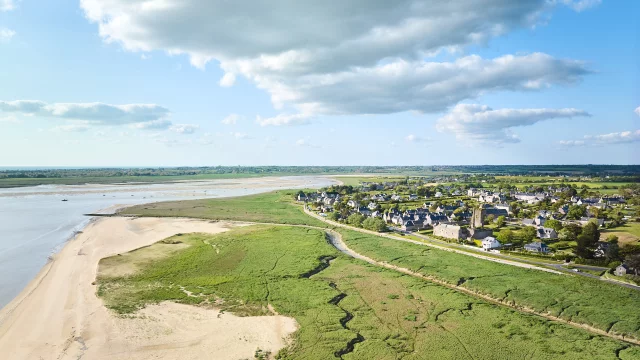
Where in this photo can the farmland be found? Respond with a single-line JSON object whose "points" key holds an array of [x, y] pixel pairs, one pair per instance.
{"points": [[383, 314]]}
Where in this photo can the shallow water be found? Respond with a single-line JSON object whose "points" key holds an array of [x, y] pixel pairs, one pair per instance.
{"points": [[35, 222]]}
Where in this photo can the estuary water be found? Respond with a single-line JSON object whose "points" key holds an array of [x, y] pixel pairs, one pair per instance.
{"points": [[35, 222]]}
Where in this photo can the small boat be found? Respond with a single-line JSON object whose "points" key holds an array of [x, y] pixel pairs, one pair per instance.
{"points": [[65, 200]]}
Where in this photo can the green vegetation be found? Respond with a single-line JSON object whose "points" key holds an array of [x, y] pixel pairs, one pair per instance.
{"points": [[273, 207], [569, 297], [381, 313]]}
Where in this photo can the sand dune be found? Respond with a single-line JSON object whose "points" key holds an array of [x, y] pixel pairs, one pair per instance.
{"points": [[58, 316]]}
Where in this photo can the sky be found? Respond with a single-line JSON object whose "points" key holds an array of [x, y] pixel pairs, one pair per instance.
{"points": [[283, 82]]}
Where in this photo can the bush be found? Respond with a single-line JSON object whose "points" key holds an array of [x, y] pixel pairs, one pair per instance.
{"points": [[374, 224], [355, 220]]}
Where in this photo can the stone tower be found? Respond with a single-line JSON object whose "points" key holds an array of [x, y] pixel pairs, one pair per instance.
{"points": [[477, 219]]}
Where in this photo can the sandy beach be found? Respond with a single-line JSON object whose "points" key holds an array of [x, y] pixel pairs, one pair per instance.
{"points": [[59, 316]]}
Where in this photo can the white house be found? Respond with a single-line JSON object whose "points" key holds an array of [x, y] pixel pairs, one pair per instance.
{"points": [[490, 243]]}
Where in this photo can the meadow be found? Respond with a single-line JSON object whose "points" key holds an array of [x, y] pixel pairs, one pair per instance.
{"points": [[345, 308], [273, 207], [573, 298], [605, 306]]}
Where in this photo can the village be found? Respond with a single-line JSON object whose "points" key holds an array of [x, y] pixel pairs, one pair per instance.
{"points": [[559, 222]]}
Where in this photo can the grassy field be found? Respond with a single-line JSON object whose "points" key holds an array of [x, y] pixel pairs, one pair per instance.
{"points": [[575, 298], [391, 316], [273, 207], [628, 233], [569, 297]]}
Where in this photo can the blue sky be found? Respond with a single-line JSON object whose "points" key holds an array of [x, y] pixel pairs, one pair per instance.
{"points": [[408, 83]]}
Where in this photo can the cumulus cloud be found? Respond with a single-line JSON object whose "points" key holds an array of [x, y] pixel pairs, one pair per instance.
{"points": [[94, 113], [284, 119], [637, 110], [184, 129], [353, 57], [228, 80], [624, 137], [481, 123], [231, 119], [6, 34]]}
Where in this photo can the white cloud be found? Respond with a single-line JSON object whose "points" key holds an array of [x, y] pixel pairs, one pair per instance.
{"points": [[160, 124], [6, 34], [353, 57], [231, 119], [72, 128], [184, 129], [284, 119], [581, 5], [624, 137], [7, 5], [228, 80], [240, 136], [637, 110], [9, 119], [569, 143], [95, 113], [415, 138], [472, 122]]}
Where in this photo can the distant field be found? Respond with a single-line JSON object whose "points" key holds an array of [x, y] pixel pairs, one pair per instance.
{"points": [[383, 314], [628, 233], [269, 207]]}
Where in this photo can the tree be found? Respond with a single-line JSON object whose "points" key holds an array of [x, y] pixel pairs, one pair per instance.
{"points": [[553, 224], [576, 212], [591, 232], [583, 249], [335, 216], [613, 250], [633, 261], [489, 219], [500, 221], [528, 233], [374, 224], [575, 229], [355, 220], [505, 236]]}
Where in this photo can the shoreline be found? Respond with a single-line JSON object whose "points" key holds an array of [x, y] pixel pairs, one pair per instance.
{"points": [[48, 247], [59, 316]]}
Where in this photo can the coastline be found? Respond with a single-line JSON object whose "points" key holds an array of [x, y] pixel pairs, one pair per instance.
{"points": [[38, 225], [59, 316]]}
